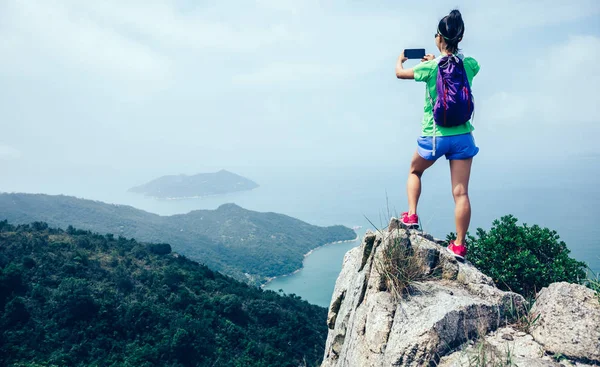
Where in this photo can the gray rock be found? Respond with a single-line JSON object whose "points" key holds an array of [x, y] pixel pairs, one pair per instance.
{"points": [[394, 224], [370, 326], [519, 350], [505, 347], [569, 321], [448, 316], [508, 337]]}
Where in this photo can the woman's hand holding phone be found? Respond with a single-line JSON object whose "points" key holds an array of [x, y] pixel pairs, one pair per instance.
{"points": [[402, 58], [427, 57]]}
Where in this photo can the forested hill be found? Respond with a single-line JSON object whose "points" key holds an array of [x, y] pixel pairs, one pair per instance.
{"points": [[248, 245], [75, 298]]}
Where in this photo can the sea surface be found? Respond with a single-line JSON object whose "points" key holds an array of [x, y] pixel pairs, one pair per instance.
{"points": [[559, 195]]}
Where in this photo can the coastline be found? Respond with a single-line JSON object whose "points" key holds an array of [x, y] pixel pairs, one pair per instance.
{"points": [[269, 280]]}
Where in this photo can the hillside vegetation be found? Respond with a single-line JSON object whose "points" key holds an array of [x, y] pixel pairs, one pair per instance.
{"points": [[76, 298], [248, 245]]}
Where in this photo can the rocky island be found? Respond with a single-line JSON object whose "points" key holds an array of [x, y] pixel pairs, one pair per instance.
{"points": [[195, 186]]}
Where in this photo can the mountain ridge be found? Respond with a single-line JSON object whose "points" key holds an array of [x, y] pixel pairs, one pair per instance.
{"points": [[247, 245]]}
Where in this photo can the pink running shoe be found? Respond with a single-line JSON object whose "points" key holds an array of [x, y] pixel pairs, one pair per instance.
{"points": [[460, 251], [409, 221]]}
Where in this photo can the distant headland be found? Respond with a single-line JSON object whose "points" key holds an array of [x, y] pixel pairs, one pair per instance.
{"points": [[195, 186]]}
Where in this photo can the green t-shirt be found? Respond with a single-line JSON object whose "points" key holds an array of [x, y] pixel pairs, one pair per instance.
{"points": [[427, 72]]}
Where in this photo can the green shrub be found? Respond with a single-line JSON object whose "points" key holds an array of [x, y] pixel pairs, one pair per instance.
{"points": [[523, 258]]}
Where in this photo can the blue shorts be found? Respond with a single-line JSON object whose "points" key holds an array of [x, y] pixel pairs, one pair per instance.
{"points": [[453, 147]]}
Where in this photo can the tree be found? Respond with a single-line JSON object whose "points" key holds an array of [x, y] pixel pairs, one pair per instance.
{"points": [[523, 258], [14, 312], [160, 248], [11, 281]]}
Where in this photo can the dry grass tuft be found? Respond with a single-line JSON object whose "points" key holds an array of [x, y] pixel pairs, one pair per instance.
{"points": [[485, 355], [593, 282], [400, 268]]}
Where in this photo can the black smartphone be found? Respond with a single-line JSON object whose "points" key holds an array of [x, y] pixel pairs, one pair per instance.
{"points": [[414, 53]]}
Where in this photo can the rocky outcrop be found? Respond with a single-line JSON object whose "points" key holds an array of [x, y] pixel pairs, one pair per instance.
{"points": [[447, 304], [505, 347], [568, 321], [435, 311]]}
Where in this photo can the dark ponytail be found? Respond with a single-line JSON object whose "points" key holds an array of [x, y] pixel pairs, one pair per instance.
{"points": [[452, 28]]}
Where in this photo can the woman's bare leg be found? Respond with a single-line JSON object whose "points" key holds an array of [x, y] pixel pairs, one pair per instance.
{"points": [[418, 165], [460, 171]]}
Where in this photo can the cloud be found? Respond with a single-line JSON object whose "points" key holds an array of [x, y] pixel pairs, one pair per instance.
{"points": [[508, 108], [361, 39], [292, 73], [557, 88], [293, 7], [504, 19], [197, 28], [38, 36], [157, 41], [567, 82], [72, 70], [9, 153], [135, 42]]}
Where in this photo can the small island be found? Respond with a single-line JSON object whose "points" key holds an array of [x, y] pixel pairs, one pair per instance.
{"points": [[195, 186]]}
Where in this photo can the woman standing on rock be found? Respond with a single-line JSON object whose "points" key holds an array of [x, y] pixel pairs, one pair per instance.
{"points": [[446, 127]]}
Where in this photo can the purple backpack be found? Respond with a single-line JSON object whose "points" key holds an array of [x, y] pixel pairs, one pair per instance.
{"points": [[454, 104]]}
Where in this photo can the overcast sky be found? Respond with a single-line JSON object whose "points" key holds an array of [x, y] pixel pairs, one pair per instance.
{"points": [[167, 86]]}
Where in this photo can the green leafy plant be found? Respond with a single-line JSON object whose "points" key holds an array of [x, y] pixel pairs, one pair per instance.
{"points": [[523, 258]]}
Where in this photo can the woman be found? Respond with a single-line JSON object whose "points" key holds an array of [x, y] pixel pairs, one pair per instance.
{"points": [[456, 143]]}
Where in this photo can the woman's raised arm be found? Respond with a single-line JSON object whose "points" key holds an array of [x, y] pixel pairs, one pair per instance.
{"points": [[402, 73]]}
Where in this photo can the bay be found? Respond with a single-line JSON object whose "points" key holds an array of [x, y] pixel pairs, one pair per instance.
{"points": [[316, 280]]}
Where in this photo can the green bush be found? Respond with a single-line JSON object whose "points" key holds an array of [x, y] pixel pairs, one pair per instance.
{"points": [[523, 258]]}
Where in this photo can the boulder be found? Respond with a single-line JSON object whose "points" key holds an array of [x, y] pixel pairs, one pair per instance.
{"points": [[505, 347], [568, 321], [447, 304]]}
